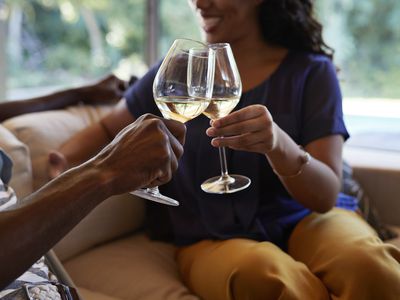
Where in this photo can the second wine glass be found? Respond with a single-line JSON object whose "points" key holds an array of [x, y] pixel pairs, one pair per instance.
{"points": [[182, 90], [226, 95]]}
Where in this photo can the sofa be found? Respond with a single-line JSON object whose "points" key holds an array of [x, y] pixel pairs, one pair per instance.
{"points": [[107, 255]]}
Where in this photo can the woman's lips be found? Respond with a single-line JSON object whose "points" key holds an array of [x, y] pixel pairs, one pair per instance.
{"points": [[209, 23]]}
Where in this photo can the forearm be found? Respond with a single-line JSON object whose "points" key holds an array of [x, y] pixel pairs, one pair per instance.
{"points": [[317, 185], [56, 100], [92, 139], [45, 217], [85, 144]]}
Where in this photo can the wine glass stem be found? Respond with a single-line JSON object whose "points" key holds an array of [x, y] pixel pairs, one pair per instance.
{"points": [[222, 161], [153, 190]]}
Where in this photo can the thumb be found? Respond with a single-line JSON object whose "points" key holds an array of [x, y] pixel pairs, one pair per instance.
{"points": [[57, 164]]}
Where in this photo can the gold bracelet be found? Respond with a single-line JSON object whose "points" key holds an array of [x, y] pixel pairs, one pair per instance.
{"points": [[305, 160]]}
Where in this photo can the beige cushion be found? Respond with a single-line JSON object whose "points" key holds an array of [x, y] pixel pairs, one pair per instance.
{"points": [[130, 268], [91, 295], [117, 216], [21, 180], [45, 131]]}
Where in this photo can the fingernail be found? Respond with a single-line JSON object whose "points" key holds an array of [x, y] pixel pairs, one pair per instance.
{"points": [[210, 132], [215, 142]]}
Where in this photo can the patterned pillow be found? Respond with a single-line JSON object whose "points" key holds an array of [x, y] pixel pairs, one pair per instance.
{"points": [[351, 187]]}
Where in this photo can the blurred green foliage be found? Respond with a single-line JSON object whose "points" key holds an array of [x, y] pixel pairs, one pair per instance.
{"points": [[57, 44], [366, 37]]}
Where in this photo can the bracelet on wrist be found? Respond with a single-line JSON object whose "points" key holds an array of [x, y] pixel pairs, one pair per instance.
{"points": [[305, 160]]}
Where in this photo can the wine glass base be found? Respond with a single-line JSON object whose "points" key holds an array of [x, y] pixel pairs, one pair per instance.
{"points": [[225, 185], [157, 197]]}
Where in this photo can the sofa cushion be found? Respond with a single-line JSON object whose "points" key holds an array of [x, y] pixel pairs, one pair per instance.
{"points": [[21, 180], [45, 131], [115, 217], [130, 268]]}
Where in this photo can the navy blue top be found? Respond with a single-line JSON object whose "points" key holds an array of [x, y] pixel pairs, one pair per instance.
{"points": [[304, 99]]}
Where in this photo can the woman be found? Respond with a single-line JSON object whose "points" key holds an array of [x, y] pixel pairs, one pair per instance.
{"points": [[269, 241]]}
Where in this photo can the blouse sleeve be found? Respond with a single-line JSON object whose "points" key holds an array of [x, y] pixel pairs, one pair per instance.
{"points": [[322, 113], [139, 96]]}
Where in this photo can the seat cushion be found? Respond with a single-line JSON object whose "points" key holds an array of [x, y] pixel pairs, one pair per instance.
{"points": [[90, 295], [130, 268]]}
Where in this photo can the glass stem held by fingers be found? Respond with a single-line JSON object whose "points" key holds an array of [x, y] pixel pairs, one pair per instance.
{"points": [[182, 90], [226, 95]]}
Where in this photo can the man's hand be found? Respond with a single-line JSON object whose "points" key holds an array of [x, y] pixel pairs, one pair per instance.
{"points": [[108, 90], [145, 153]]}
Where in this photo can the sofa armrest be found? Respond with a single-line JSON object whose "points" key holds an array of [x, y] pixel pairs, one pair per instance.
{"points": [[44, 131], [378, 172]]}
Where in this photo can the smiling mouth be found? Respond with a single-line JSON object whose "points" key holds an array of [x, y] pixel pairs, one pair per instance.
{"points": [[209, 24]]}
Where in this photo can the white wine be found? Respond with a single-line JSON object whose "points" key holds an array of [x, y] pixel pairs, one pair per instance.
{"points": [[221, 107], [183, 108]]}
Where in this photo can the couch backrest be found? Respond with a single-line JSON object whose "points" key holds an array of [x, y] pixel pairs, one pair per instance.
{"points": [[29, 139]]}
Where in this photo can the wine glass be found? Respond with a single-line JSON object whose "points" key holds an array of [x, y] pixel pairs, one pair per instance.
{"points": [[226, 95], [182, 90]]}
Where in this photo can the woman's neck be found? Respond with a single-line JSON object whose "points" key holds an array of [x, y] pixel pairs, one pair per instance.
{"points": [[256, 60]]}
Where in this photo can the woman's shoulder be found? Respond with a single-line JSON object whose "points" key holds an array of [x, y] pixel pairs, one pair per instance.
{"points": [[307, 59]]}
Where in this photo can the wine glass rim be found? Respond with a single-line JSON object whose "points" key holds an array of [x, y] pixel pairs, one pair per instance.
{"points": [[199, 52], [219, 45], [190, 40]]}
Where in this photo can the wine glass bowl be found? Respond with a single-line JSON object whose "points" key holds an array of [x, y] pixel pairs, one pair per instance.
{"points": [[182, 90]]}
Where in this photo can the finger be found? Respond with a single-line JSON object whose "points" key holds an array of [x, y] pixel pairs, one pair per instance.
{"points": [[176, 145], [240, 115], [238, 128], [178, 129], [243, 140], [57, 164], [258, 147]]}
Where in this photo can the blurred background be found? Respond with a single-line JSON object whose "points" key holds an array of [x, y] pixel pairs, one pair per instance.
{"points": [[50, 44]]}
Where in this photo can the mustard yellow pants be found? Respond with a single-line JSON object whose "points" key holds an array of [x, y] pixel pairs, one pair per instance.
{"points": [[331, 256]]}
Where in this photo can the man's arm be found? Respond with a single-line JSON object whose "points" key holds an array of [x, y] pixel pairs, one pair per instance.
{"points": [[109, 89], [142, 154]]}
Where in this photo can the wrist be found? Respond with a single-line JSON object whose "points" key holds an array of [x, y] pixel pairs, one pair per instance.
{"points": [[304, 159], [92, 180]]}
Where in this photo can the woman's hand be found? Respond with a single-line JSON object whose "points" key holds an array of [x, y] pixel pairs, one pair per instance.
{"points": [[57, 164], [248, 129]]}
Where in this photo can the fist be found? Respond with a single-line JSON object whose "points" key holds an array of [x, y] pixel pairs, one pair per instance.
{"points": [[143, 154]]}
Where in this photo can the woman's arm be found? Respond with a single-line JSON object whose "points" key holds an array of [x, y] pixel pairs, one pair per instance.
{"points": [[89, 141], [107, 90], [316, 186], [145, 152]]}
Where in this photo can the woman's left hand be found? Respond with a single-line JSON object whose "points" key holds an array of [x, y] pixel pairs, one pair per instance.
{"points": [[248, 129]]}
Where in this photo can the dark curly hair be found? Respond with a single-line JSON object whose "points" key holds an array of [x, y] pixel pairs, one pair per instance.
{"points": [[291, 24]]}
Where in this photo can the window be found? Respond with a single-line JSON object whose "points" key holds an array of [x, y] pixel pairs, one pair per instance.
{"points": [[52, 44], [366, 37]]}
